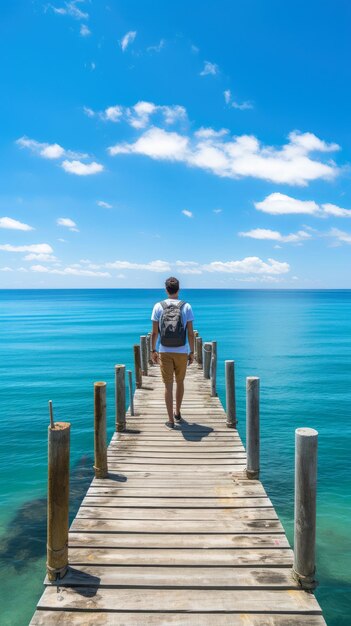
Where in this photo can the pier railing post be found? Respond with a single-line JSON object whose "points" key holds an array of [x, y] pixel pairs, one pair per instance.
{"points": [[207, 352], [130, 386], [306, 441], [214, 369], [199, 351], [149, 348], [58, 500], [196, 334], [100, 437], [137, 367], [120, 389], [143, 351], [253, 427], [230, 394]]}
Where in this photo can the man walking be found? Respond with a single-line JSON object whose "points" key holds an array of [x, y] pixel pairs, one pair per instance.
{"points": [[172, 319]]}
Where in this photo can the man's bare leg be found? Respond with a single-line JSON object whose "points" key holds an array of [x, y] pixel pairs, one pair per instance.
{"points": [[169, 401], [179, 396]]}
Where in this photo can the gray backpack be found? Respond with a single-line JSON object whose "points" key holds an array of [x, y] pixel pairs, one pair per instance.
{"points": [[172, 329]]}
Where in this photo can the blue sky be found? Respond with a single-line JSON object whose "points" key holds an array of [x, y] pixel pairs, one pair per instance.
{"points": [[207, 140]]}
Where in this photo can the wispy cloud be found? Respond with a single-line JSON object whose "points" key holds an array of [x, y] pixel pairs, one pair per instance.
{"points": [[50, 258], [294, 163], [104, 205], [274, 235], [68, 223], [48, 150], [340, 236], [209, 69], [187, 213], [241, 106], [128, 39], [11, 224], [158, 47], [84, 30], [281, 204], [82, 169], [217, 211], [68, 271], [71, 9], [152, 266], [39, 248]]}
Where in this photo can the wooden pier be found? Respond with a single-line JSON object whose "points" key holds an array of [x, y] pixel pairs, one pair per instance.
{"points": [[177, 534]]}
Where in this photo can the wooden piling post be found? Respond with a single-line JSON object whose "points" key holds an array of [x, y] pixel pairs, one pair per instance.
{"points": [[196, 334], [199, 351], [58, 500], [149, 348], [252, 427], [143, 352], [214, 369], [137, 367], [100, 437], [306, 442], [120, 390], [230, 394], [131, 397], [207, 352]]}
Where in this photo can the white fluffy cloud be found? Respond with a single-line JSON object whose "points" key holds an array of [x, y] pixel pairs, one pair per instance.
{"points": [[8, 222], [48, 150], [138, 116], [274, 235], [155, 143], [38, 248], [82, 169], [104, 205], [40, 257], [187, 213], [68, 223], [152, 266], [128, 39], [209, 69], [237, 157], [249, 265], [281, 204]]}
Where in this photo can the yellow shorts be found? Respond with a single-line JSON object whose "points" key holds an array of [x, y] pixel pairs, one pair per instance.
{"points": [[173, 363]]}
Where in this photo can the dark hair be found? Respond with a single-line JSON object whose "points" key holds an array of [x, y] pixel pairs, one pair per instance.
{"points": [[172, 285]]}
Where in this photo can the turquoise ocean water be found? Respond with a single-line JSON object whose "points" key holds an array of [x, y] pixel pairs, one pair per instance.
{"points": [[55, 344]]}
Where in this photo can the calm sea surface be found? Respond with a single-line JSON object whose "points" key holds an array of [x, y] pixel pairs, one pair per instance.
{"points": [[54, 344]]}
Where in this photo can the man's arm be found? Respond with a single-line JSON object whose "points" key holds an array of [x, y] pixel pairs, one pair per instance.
{"points": [[190, 331], [154, 336]]}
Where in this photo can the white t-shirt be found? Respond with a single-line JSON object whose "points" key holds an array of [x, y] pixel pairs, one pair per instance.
{"points": [[187, 316]]}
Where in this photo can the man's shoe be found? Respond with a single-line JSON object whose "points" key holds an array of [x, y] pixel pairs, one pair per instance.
{"points": [[169, 425], [178, 417]]}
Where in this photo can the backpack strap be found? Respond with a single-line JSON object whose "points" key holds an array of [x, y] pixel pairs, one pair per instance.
{"points": [[164, 304], [181, 304]]}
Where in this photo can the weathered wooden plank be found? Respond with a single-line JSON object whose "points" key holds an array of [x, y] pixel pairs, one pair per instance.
{"points": [[176, 526], [162, 491], [94, 618], [181, 514], [150, 461], [179, 503], [165, 576], [175, 469], [210, 542], [219, 600]]}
